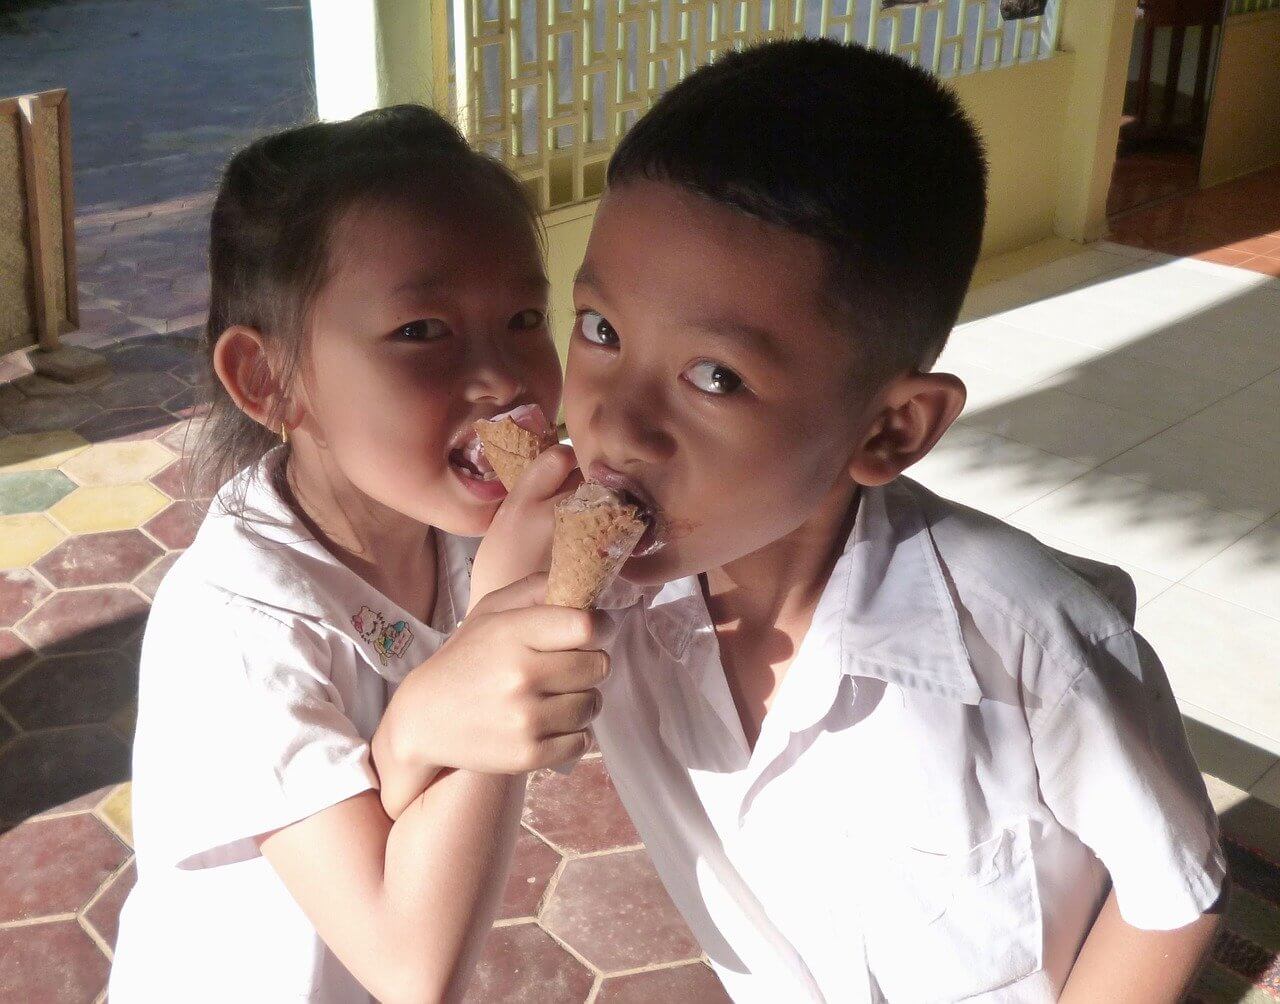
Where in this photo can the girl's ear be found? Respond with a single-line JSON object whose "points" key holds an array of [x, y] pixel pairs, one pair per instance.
{"points": [[913, 413], [241, 363]]}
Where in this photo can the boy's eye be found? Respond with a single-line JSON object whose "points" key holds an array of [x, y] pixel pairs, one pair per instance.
{"points": [[596, 329], [428, 330], [713, 378], [528, 320]]}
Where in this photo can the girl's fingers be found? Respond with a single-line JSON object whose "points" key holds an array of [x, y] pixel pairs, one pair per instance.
{"points": [[544, 477], [572, 672], [556, 750], [567, 713], [559, 629], [527, 592]]}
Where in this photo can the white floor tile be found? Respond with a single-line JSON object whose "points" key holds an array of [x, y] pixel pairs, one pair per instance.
{"points": [[1219, 657], [1222, 795], [1218, 470], [1002, 348], [1082, 316], [1162, 532], [1055, 422], [1140, 387], [1247, 573], [993, 474], [1247, 417], [1222, 753], [1268, 788], [1090, 266]]}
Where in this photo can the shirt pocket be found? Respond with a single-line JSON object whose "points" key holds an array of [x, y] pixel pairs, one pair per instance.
{"points": [[949, 926]]}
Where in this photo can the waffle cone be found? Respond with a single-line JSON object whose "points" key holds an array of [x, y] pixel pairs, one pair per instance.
{"points": [[592, 542], [509, 449]]}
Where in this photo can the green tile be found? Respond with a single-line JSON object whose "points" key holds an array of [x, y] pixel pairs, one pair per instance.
{"points": [[32, 491]]}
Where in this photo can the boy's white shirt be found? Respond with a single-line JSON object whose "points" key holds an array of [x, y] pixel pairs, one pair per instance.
{"points": [[266, 667], [970, 743]]}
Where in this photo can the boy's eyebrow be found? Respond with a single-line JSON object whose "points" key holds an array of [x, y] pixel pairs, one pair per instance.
{"points": [[753, 336], [428, 282]]}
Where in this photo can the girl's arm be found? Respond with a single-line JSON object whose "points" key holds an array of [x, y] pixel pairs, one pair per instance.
{"points": [[1129, 965], [405, 905]]}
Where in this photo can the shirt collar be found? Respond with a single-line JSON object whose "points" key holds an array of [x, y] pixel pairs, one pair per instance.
{"points": [[257, 547]]}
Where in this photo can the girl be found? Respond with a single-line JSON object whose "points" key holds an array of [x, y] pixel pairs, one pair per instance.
{"points": [[376, 288]]}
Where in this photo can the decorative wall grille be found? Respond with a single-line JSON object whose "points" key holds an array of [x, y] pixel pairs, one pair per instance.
{"points": [[550, 86]]}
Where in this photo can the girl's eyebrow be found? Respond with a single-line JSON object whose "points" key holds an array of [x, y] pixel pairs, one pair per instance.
{"points": [[430, 282]]}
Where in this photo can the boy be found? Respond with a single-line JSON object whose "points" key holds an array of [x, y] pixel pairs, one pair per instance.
{"points": [[879, 745]]}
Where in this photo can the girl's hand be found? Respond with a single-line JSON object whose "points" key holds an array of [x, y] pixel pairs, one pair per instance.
{"points": [[512, 690], [518, 542]]}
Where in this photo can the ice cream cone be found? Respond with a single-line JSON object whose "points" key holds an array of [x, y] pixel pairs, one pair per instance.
{"points": [[595, 533], [508, 448]]}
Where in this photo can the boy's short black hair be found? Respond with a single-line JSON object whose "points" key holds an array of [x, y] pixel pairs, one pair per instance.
{"points": [[855, 148]]}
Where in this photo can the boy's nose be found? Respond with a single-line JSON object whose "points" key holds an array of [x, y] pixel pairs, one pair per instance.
{"points": [[629, 426], [491, 377]]}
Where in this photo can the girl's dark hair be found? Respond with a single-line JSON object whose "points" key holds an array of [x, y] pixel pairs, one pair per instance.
{"points": [[269, 239]]}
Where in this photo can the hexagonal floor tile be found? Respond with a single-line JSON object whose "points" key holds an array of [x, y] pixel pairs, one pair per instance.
{"points": [[136, 390], [118, 463], [694, 983], [32, 491], [579, 813], [126, 424], [85, 620], [117, 810], [48, 414], [182, 436], [110, 507], [24, 539], [37, 451], [37, 958], [104, 915], [15, 655], [20, 593], [615, 913], [522, 964], [50, 866], [39, 770], [98, 558], [176, 527], [149, 581], [151, 354], [532, 866], [72, 690]]}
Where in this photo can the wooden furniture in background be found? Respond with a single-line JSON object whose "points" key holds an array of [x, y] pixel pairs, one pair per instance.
{"points": [[38, 296]]}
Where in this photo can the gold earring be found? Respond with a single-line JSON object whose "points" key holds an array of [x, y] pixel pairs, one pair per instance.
{"points": [[284, 433]]}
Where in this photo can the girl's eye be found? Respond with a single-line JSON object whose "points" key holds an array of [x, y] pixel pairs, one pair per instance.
{"points": [[596, 329], [712, 378], [429, 330], [528, 320]]}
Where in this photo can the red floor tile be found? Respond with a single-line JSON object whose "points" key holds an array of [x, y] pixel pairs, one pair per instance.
{"points": [[532, 866], [614, 911], [691, 984], [580, 813], [176, 526], [84, 620], [52, 866], [41, 770], [1266, 264], [20, 593], [72, 690], [149, 581], [522, 964], [15, 655], [98, 558], [104, 915], [54, 963]]}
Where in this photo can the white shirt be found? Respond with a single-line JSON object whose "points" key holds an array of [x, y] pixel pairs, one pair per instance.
{"points": [[266, 667], [970, 743]]}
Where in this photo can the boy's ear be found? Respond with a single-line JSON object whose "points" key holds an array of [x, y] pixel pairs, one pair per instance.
{"points": [[912, 413], [241, 363]]}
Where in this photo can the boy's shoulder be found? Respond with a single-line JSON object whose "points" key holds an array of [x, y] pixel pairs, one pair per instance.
{"points": [[1058, 599]]}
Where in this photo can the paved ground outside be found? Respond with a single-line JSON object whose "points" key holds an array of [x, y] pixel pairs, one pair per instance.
{"points": [[1122, 406]]}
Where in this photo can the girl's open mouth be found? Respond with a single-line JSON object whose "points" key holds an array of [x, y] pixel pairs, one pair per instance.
{"points": [[469, 466]]}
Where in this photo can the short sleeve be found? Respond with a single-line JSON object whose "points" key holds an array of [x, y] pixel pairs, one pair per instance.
{"points": [[259, 739], [1115, 769]]}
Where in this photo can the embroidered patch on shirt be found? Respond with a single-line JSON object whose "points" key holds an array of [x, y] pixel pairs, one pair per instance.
{"points": [[386, 639]]}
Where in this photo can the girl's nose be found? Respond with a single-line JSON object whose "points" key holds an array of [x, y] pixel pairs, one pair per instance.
{"points": [[491, 375]]}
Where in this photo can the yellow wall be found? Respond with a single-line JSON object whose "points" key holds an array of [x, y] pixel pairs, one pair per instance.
{"points": [[1243, 131]]}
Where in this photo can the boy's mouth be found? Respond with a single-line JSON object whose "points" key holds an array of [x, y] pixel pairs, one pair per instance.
{"points": [[468, 463], [655, 536]]}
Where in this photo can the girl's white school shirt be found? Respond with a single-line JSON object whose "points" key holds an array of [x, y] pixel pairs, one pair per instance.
{"points": [[265, 669], [970, 745]]}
